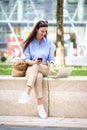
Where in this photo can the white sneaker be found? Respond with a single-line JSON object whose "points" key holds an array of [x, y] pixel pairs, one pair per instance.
{"points": [[25, 97], [42, 112]]}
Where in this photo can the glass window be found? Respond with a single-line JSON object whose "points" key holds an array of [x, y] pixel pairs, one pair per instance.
{"points": [[73, 1]]}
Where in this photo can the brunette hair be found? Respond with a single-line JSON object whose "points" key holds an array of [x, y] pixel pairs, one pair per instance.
{"points": [[32, 35]]}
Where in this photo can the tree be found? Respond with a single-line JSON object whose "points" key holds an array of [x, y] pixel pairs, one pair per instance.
{"points": [[60, 58]]}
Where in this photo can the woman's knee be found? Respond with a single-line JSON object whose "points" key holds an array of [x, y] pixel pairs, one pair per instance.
{"points": [[35, 66], [32, 70], [40, 75]]}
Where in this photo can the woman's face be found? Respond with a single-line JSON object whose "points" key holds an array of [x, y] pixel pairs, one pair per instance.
{"points": [[41, 32]]}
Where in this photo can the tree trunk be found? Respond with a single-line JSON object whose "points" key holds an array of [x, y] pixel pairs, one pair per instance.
{"points": [[60, 58]]}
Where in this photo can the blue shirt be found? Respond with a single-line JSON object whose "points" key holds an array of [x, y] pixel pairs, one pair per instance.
{"points": [[44, 50]]}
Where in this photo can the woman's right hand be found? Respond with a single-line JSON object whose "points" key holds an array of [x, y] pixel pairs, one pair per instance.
{"points": [[31, 62], [38, 61]]}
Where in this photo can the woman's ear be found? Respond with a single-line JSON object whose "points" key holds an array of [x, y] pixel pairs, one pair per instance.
{"points": [[37, 29]]}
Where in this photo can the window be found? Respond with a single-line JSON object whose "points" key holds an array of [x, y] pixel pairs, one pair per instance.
{"points": [[73, 1]]}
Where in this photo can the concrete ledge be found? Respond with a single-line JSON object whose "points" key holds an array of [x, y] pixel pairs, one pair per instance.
{"points": [[11, 90], [66, 97]]}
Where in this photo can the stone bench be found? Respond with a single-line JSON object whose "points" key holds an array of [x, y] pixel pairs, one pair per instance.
{"points": [[11, 89], [68, 97], [64, 97]]}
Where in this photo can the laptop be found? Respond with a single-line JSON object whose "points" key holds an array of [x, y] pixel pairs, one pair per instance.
{"points": [[62, 73]]}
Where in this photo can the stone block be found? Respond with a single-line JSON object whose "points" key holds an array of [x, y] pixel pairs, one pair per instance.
{"points": [[11, 90], [68, 97]]}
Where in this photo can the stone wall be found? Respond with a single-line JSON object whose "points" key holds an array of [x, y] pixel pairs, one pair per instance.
{"points": [[64, 97]]}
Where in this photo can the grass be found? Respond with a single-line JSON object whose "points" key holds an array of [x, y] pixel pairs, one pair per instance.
{"points": [[6, 69], [79, 71]]}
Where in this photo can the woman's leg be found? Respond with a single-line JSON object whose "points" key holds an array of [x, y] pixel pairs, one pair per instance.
{"points": [[38, 87], [43, 70], [39, 95], [31, 73]]}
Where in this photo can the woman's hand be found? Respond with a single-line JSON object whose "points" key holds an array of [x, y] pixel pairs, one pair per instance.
{"points": [[38, 61], [51, 69], [52, 72], [31, 62]]}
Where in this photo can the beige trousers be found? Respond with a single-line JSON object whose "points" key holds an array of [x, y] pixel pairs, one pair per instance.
{"points": [[35, 74]]}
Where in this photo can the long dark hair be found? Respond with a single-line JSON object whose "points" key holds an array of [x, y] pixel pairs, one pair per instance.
{"points": [[32, 35]]}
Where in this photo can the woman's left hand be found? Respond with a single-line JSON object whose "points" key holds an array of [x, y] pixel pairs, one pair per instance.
{"points": [[52, 72], [51, 69]]}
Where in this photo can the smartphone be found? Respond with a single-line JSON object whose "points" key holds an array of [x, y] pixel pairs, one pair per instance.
{"points": [[39, 59]]}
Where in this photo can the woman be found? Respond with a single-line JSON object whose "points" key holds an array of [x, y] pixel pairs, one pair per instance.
{"points": [[38, 54]]}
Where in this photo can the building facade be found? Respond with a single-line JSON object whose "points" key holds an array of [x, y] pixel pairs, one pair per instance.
{"points": [[18, 16]]}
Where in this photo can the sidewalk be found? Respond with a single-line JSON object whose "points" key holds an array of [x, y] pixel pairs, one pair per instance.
{"points": [[50, 122], [36, 128]]}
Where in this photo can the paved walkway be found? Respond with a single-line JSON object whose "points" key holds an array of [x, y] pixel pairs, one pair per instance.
{"points": [[36, 122], [34, 128]]}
